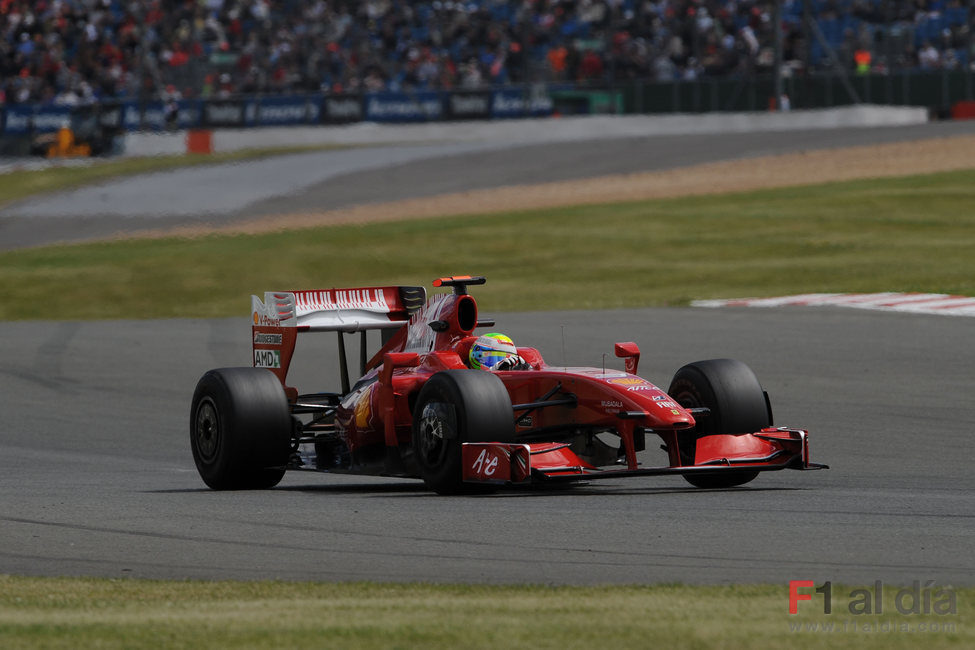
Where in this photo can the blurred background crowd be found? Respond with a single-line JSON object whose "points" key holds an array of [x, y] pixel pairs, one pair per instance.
{"points": [[73, 52]]}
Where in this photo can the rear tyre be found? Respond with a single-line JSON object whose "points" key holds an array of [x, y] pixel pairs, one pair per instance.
{"points": [[240, 429], [737, 402], [454, 407]]}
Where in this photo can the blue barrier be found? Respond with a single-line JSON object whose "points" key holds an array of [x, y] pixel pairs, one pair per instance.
{"points": [[283, 111], [32, 118], [289, 110], [404, 107], [521, 102]]}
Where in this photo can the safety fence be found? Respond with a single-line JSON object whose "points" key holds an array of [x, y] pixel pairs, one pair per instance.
{"points": [[938, 91]]}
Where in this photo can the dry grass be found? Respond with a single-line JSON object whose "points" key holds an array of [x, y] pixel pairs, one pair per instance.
{"points": [[72, 613]]}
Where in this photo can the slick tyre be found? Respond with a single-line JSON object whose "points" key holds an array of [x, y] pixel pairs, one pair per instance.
{"points": [[737, 403], [240, 429], [454, 407]]}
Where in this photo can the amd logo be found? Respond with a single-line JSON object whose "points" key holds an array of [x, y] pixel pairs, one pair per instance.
{"points": [[267, 358]]}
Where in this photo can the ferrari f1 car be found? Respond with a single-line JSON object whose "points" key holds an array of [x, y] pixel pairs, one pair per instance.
{"points": [[419, 410]]}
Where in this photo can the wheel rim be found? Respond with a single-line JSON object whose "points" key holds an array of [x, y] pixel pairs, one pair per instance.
{"points": [[436, 427], [207, 430], [686, 399]]}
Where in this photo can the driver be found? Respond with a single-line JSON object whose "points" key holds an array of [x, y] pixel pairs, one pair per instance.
{"points": [[495, 351]]}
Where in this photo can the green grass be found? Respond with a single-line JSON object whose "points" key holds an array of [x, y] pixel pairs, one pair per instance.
{"points": [[905, 234], [20, 184], [73, 613]]}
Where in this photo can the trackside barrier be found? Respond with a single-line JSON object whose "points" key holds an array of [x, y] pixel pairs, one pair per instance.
{"points": [[528, 130], [287, 110], [938, 92]]}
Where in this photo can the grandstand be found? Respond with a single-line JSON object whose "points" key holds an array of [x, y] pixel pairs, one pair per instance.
{"points": [[76, 52]]}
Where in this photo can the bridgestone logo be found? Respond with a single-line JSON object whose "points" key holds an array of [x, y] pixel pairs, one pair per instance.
{"points": [[260, 338], [267, 358]]}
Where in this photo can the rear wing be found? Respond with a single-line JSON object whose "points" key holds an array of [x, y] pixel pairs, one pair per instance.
{"points": [[338, 310], [282, 314]]}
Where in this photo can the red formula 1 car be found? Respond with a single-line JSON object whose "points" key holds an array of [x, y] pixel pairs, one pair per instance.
{"points": [[419, 410]]}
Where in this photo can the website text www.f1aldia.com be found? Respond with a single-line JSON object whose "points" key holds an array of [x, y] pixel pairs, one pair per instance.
{"points": [[862, 604], [853, 627]]}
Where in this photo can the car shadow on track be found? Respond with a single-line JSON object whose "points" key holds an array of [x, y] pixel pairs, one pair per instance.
{"points": [[357, 488], [600, 491], [418, 489]]}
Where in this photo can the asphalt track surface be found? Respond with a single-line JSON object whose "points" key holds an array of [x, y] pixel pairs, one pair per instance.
{"points": [[97, 477]]}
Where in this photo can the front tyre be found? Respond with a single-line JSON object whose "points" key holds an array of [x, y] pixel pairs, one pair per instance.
{"points": [[240, 429], [454, 407], [737, 403]]}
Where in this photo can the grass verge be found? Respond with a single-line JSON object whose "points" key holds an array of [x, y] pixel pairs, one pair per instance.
{"points": [[904, 234], [62, 613]]}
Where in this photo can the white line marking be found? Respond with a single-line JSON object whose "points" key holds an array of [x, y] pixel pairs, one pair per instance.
{"points": [[915, 303]]}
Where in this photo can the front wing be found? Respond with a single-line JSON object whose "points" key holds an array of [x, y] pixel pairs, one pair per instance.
{"points": [[518, 464]]}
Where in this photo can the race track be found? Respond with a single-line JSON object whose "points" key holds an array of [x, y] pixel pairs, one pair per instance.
{"points": [[98, 479]]}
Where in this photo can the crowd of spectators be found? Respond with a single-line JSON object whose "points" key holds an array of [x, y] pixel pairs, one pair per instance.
{"points": [[78, 51]]}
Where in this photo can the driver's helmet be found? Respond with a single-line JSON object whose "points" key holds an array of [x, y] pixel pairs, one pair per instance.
{"points": [[490, 349]]}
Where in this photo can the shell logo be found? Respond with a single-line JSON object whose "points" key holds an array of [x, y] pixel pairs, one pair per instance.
{"points": [[629, 381]]}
